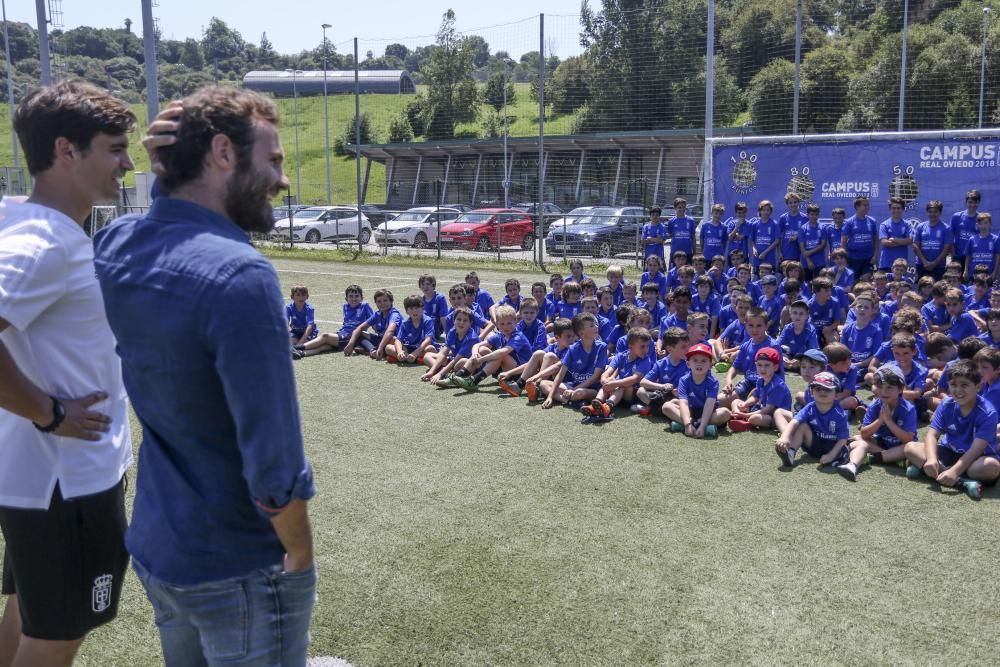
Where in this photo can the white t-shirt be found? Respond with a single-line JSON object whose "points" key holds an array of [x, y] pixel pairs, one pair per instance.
{"points": [[60, 339]]}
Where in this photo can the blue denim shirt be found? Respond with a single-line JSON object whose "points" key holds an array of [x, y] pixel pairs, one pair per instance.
{"points": [[197, 313]]}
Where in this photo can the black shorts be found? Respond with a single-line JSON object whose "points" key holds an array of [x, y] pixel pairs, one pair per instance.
{"points": [[860, 267], [66, 564]]}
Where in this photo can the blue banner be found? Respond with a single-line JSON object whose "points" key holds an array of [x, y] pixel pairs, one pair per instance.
{"points": [[834, 174]]}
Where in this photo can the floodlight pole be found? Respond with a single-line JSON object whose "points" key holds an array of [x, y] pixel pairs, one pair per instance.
{"points": [[902, 68], [295, 115], [149, 54], [982, 64], [44, 59], [326, 118], [798, 66], [709, 108], [357, 136], [506, 131], [10, 90]]}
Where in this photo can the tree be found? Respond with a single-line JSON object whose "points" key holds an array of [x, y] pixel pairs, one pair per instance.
{"points": [[452, 95], [191, 56], [416, 113], [125, 72], [480, 50], [495, 89], [221, 42], [396, 51], [169, 51], [23, 41], [348, 135], [570, 86], [826, 75], [89, 42], [265, 52], [399, 129], [769, 98]]}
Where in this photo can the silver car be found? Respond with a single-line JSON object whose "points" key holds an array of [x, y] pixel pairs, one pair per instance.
{"points": [[416, 227], [326, 223]]}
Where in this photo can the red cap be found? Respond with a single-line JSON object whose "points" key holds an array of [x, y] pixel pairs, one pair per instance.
{"points": [[699, 348], [770, 354]]}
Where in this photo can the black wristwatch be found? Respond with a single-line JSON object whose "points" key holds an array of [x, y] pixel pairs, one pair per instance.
{"points": [[58, 416]]}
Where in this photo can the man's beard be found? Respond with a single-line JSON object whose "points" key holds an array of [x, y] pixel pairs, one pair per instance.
{"points": [[248, 200]]}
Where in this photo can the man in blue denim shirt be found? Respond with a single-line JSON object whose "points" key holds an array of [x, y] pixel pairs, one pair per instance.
{"points": [[220, 535]]}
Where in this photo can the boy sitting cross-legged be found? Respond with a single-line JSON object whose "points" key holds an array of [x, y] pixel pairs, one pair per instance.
{"points": [[695, 410], [757, 339], [385, 321], [415, 335], [505, 348], [960, 448], [532, 325], [458, 346], [770, 394], [621, 378], [820, 427], [660, 383], [543, 363], [811, 363], [580, 370], [356, 312], [838, 358], [798, 335], [889, 423]]}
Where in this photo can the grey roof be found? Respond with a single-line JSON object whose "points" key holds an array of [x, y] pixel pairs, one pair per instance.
{"points": [[310, 83]]}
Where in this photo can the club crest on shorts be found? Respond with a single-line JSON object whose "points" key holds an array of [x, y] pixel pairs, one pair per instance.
{"points": [[101, 594]]}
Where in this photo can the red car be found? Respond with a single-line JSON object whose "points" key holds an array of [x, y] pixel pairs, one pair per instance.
{"points": [[487, 228]]}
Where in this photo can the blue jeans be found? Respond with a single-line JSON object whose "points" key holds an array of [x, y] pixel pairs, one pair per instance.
{"points": [[259, 620]]}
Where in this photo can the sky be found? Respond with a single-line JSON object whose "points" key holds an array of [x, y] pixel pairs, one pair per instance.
{"points": [[295, 26]]}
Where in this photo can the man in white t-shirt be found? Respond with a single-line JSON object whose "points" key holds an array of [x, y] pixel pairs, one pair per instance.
{"points": [[64, 432]]}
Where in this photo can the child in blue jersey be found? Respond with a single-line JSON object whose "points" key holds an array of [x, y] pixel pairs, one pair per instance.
{"points": [[811, 363], [770, 393], [960, 324], [699, 264], [820, 428], [728, 344], [356, 311], [863, 336], [895, 235], [987, 360], [532, 325], [797, 336], [695, 411], [771, 303], [679, 261], [570, 304], [622, 314], [481, 298], [712, 235], [745, 361], [542, 363], [461, 295], [458, 346], [904, 349], [982, 249], [639, 318], [860, 239], [579, 374], [554, 297], [616, 282], [680, 300], [384, 322], [789, 226], [717, 272], [660, 383], [630, 293], [905, 320], [980, 297], [435, 303], [889, 423], [843, 274], [415, 335], [606, 301], [941, 353], [992, 334], [651, 302], [960, 447], [654, 274], [576, 274], [835, 231], [301, 317], [743, 274], [698, 328], [588, 288], [738, 242], [934, 312], [764, 236], [621, 378], [963, 225], [539, 294], [932, 242], [706, 301], [512, 296], [681, 229], [813, 245], [590, 304], [839, 363], [791, 292], [654, 235], [504, 349], [824, 310]]}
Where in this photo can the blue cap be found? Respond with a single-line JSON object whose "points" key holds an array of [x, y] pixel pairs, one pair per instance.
{"points": [[769, 280], [815, 355]]}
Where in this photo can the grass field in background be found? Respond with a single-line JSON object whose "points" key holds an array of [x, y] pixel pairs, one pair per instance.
{"points": [[312, 140], [472, 528]]}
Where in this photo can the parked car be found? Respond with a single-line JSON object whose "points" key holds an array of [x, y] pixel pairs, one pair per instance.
{"points": [[416, 227], [567, 219], [550, 213], [602, 232], [327, 223], [375, 213], [487, 228]]}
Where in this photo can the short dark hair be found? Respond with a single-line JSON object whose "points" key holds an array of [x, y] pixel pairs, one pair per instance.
{"points": [[211, 111], [837, 353], [622, 313], [673, 335], [969, 347], [582, 318], [561, 326], [681, 293], [354, 288], [512, 282], [637, 334], [988, 355], [75, 110], [383, 292], [937, 343], [965, 369], [413, 301]]}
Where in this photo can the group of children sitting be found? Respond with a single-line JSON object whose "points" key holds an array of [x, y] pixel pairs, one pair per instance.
{"points": [[921, 346]]}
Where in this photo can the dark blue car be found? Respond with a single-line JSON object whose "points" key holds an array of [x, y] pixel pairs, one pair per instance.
{"points": [[603, 232]]}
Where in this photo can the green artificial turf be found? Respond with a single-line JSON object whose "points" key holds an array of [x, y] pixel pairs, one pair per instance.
{"points": [[472, 528]]}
